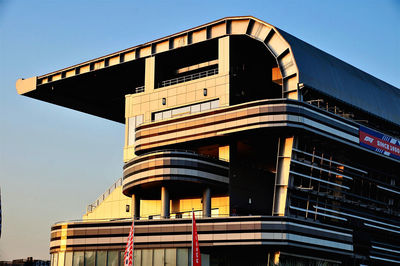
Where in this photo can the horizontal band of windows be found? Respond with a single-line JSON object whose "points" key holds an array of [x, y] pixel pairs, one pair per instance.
{"points": [[318, 213], [382, 228], [384, 259], [346, 197], [355, 216], [320, 180], [189, 109], [331, 161], [390, 190], [322, 169], [386, 249]]}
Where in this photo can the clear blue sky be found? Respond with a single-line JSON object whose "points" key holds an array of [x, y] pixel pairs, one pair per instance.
{"points": [[55, 161]]}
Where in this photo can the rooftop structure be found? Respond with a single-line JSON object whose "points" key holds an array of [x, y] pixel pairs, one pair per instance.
{"points": [[285, 152]]}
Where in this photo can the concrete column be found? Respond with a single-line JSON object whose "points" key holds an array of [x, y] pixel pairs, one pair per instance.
{"points": [[285, 147], [149, 74], [164, 202], [223, 55], [136, 206], [207, 202]]}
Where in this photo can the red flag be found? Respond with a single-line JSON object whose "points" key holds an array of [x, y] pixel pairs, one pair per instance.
{"points": [[196, 257], [128, 257]]}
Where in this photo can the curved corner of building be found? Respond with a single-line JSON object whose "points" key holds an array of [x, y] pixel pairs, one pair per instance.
{"points": [[25, 85]]}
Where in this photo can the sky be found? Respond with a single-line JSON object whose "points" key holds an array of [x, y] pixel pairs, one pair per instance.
{"points": [[55, 161]]}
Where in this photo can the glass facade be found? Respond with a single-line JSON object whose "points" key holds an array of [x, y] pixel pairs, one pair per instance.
{"points": [[142, 257]]}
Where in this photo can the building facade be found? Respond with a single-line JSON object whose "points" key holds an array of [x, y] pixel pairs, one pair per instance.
{"points": [[285, 153]]}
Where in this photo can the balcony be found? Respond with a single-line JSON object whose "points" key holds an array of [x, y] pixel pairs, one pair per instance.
{"points": [[190, 77], [174, 175]]}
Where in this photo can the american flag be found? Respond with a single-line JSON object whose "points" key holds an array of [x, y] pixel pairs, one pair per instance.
{"points": [[128, 257]]}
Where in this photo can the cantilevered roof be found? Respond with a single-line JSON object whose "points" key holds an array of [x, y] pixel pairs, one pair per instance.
{"points": [[334, 77], [99, 86]]}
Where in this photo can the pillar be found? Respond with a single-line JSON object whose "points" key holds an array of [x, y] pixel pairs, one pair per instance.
{"points": [[207, 202], [136, 206], [223, 68], [149, 75], [164, 202], [285, 147]]}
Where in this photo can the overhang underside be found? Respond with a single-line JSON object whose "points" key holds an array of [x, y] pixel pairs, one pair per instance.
{"points": [[101, 91]]}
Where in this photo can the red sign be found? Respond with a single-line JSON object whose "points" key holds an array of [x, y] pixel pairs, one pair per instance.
{"points": [[196, 256], [378, 143]]}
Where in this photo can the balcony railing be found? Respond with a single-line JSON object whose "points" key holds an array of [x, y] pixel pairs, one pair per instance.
{"points": [[194, 76], [103, 196]]}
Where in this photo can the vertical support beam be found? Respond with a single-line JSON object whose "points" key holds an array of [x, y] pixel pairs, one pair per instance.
{"points": [[223, 55], [164, 202], [207, 202], [136, 206], [223, 68], [149, 74], [284, 156]]}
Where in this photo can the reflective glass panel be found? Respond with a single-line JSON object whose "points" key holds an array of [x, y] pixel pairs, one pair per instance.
{"points": [[78, 259], [68, 258], [121, 258], [137, 257], [55, 259], [90, 258], [101, 258], [182, 257], [158, 257], [112, 259], [147, 257]]}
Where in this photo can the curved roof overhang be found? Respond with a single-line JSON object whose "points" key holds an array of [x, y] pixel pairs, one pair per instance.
{"points": [[44, 87], [301, 65]]}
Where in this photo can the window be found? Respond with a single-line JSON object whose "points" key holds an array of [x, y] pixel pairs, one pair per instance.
{"points": [[78, 259], [132, 123], [90, 258], [112, 259], [189, 109], [101, 258]]}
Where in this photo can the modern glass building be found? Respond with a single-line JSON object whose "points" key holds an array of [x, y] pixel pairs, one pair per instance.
{"points": [[288, 155]]}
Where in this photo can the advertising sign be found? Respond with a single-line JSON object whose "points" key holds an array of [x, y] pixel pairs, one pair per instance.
{"points": [[379, 142]]}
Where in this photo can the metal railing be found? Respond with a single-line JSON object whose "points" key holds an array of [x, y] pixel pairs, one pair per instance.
{"points": [[194, 76], [185, 215], [173, 216], [138, 89], [103, 196]]}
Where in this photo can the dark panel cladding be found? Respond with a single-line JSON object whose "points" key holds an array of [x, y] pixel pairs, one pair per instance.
{"points": [[330, 75], [251, 177]]}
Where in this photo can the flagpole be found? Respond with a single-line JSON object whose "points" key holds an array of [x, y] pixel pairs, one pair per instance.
{"points": [[192, 237]]}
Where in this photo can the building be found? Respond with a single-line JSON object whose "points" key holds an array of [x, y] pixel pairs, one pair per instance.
{"points": [[286, 153], [25, 262]]}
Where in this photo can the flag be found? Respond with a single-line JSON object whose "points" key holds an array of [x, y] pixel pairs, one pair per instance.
{"points": [[196, 257], [128, 256]]}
